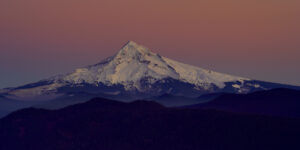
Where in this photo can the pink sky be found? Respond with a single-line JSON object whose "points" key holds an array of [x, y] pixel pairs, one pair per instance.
{"points": [[258, 39]]}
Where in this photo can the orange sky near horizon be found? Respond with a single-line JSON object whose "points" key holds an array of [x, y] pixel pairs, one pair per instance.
{"points": [[259, 39]]}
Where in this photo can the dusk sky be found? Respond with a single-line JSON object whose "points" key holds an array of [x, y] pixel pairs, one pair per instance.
{"points": [[258, 39]]}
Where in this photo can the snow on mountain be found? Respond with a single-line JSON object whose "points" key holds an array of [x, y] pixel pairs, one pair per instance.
{"points": [[132, 73], [127, 67], [134, 62], [135, 69], [199, 76]]}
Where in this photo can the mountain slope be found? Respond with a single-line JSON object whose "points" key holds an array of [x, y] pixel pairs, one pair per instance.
{"points": [[134, 62], [275, 102], [136, 69], [112, 125], [133, 73]]}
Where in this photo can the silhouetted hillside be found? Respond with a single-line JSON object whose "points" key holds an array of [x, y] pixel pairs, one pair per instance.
{"points": [[102, 124], [276, 102]]}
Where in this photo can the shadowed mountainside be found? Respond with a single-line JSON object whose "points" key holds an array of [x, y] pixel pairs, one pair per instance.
{"points": [[276, 102], [111, 125]]}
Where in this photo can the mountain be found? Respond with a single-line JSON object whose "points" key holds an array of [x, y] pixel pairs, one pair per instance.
{"points": [[112, 125], [274, 102], [132, 73]]}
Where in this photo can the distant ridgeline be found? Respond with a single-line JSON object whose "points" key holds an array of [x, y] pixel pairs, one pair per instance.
{"points": [[146, 125]]}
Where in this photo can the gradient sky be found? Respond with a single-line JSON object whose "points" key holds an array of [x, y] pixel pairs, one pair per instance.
{"points": [[259, 39]]}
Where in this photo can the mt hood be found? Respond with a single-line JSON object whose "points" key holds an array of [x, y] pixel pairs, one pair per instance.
{"points": [[134, 73]]}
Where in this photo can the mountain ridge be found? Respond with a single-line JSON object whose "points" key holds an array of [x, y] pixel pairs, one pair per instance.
{"points": [[135, 72], [134, 62], [106, 124], [128, 67], [275, 102]]}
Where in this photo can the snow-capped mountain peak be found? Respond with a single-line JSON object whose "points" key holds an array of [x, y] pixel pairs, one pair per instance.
{"points": [[132, 63], [134, 72], [131, 48], [135, 62], [135, 68]]}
